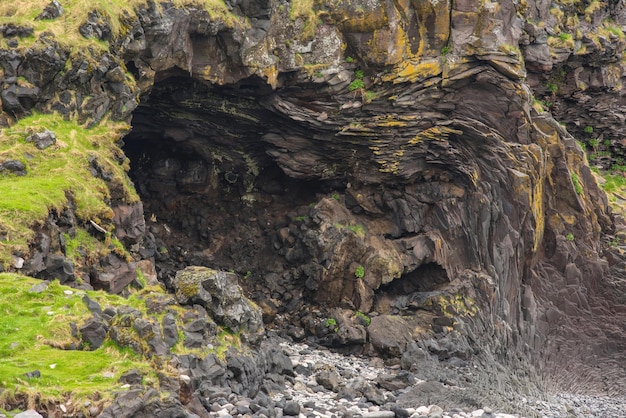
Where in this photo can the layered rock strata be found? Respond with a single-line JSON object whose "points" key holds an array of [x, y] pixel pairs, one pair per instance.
{"points": [[379, 164]]}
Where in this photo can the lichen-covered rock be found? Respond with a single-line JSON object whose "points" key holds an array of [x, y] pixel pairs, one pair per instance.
{"points": [[383, 156], [220, 293]]}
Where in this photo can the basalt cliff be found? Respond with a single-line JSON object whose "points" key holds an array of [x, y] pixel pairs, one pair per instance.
{"points": [[395, 178]]}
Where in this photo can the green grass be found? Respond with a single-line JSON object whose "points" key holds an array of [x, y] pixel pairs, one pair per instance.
{"points": [[578, 187], [357, 83], [305, 10], [56, 175], [357, 229], [365, 318], [65, 28], [32, 324]]}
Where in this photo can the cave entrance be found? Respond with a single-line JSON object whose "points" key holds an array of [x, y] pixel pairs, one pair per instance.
{"points": [[413, 290], [212, 195]]}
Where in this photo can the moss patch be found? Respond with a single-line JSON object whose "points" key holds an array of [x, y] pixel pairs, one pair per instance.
{"points": [[32, 324]]}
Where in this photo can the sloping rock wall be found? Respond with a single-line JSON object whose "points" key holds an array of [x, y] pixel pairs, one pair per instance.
{"points": [[435, 177]]}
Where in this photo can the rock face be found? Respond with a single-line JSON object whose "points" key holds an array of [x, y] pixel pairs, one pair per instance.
{"points": [[381, 157], [220, 293]]}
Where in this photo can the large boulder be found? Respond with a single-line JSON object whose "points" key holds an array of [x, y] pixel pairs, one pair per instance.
{"points": [[114, 274], [220, 293]]}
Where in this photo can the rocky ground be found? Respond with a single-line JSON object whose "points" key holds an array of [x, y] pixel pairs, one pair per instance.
{"points": [[381, 177], [324, 384]]}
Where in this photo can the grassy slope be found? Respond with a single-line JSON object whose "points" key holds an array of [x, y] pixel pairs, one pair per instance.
{"points": [[57, 177], [31, 322], [54, 174]]}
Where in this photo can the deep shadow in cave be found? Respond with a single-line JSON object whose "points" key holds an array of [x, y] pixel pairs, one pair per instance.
{"points": [[212, 196], [413, 290]]}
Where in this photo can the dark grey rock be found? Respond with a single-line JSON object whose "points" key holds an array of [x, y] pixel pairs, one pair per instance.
{"points": [[400, 412], [329, 379], [93, 306], [389, 334], [51, 11], [39, 287], [292, 408], [97, 26], [114, 274], [132, 377], [279, 362], [374, 395], [151, 333], [13, 166], [59, 267], [170, 330], [130, 225], [393, 382], [42, 140], [35, 374], [93, 333], [194, 339]]}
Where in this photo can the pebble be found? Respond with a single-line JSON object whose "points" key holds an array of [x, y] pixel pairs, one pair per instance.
{"points": [[379, 414]]}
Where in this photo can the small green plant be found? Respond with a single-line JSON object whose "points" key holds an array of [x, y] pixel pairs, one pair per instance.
{"points": [[349, 60], [565, 36], [582, 145], [357, 229], [331, 324], [336, 196], [578, 187], [618, 168], [364, 317], [357, 83], [301, 218], [141, 278], [594, 143], [606, 143], [588, 129], [445, 50], [359, 272], [569, 237], [368, 96], [247, 275], [552, 87]]}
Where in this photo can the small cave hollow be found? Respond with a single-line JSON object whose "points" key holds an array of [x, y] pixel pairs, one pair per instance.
{"points": [[212, 195], [413, 290]]}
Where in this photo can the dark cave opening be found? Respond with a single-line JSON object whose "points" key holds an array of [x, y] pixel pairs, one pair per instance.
{"points": [[212, 195], [413, 290]]}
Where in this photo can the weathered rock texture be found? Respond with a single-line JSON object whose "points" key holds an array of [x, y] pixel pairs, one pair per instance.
{"points": [[375, 156]]}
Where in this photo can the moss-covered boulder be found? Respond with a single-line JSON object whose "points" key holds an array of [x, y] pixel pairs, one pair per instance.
{"points": [[220, 293]]}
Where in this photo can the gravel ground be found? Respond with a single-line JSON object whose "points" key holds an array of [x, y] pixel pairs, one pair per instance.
{"points": [[329, 385]]}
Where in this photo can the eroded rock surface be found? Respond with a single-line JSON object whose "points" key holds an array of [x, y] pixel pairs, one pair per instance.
{"points": [[376, 158]]}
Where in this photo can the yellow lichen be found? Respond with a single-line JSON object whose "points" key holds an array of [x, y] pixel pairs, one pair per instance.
{"points": [[414, 71]]}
